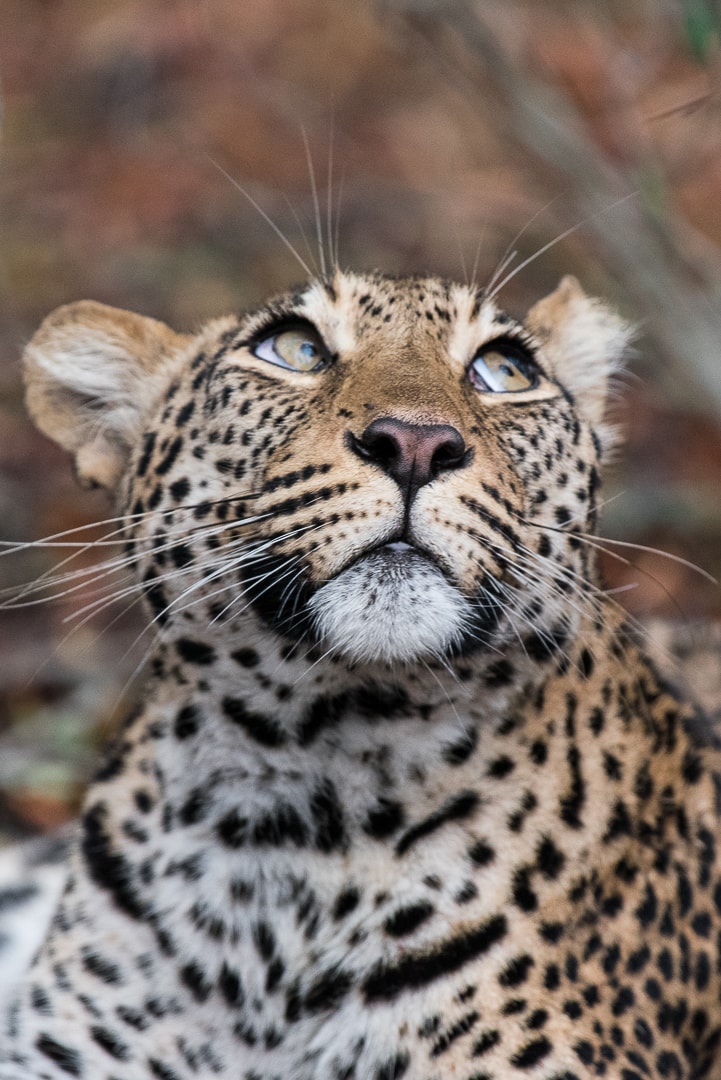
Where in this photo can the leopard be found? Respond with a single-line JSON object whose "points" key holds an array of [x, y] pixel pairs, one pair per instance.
{"points": [[403, 795]]}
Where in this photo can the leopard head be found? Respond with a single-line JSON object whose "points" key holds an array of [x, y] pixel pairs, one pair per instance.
{"points": [[394, 470]]}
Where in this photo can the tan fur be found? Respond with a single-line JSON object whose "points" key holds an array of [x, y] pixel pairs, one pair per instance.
{"points": [[92, 372]]}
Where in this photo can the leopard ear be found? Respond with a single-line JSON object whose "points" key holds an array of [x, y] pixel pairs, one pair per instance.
{"points": [[92, 373], [584, 343]]}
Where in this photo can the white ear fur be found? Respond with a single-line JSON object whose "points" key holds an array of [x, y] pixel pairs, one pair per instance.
{"points": [[92, 373], [584, 343]]}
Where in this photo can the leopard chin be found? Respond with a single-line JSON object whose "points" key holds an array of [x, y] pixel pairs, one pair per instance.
{"points": [[392, 606]]}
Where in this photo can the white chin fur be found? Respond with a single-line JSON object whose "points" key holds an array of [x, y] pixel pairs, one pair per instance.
{"points": [[393, 606]]}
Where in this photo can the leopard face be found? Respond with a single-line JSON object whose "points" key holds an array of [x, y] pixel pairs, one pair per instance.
{"points": [[392, 469]]}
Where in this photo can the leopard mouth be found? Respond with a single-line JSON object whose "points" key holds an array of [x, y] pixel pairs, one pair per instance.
{"points": [[392, 604]]}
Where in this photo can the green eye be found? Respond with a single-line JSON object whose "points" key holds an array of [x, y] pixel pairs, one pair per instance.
{"points": [[503, 369], [298, 348]]}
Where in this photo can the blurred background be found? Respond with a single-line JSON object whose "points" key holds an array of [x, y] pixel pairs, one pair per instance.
{"points": [[440, 136]]}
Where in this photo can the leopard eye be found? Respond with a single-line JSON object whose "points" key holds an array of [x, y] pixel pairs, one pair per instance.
{"points": [[297, 348], [503, 369]]}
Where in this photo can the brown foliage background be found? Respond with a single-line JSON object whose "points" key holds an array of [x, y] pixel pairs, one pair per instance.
{"points": [[439, 134]]}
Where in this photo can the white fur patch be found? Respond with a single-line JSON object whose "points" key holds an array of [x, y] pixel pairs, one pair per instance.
{"points": [[393, 606], [31, 890]]}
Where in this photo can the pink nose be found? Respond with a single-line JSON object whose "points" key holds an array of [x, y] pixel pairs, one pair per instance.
{"points": [[413, 454]]}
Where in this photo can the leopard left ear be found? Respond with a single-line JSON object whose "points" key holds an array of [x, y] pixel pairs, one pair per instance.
{"points": [[584, 343], [92, 374]]}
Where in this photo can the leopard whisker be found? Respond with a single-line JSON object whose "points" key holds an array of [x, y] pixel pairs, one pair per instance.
{"points": [[557, 240], [316, 203], [509, 254], [266, 217]]}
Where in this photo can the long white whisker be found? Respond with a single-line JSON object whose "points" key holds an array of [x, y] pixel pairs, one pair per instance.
{"points": [[316, 204], [509, 254], [557, 240], [266, 217]]}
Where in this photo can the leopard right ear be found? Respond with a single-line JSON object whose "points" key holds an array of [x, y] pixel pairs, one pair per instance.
{"points": [[92, 374]]}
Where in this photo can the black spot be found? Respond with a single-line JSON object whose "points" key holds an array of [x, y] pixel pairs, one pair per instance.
{"points": [[539, 752], [552, 932], [162, 1071], [264, 939], [380, 702], [523, 895], [454, 809], [701, 924], [514, 1007], [156, 597], [103, 968], [276, 971], [193, 976], [233, 829], [327, 815], [110, 1043], [516, 971], [346, 901], [461, 1027], [384, 818], [143, 801], [327, 991], [280, 825], [456, 753], [195, 807], [180, 489], [532, 1053], [148, 447], [134, 1018], [596, 720], [585, 664], [166, 463], [638, 960], [620, 823], [684, 892], [407, 919], [487, 1041], [549, 858], [40, 1001], [247, 658], [109, 869], [647, 910], [537, 1019], [643, 1032], [388, 980], [702, 972], [262, 729], [66, 1059], [572, 803], [195, 652], [502, 673], [669, 1065], [481, 853], [501, 767], [187, 722]]}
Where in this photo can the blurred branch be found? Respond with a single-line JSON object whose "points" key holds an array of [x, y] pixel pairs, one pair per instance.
{"points": [[670, 274]]}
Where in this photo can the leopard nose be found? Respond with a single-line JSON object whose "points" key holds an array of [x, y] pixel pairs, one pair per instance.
{"points": [[412, 454]]}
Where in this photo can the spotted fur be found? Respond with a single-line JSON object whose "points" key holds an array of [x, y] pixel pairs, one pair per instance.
{"points": [[403, 796]]}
